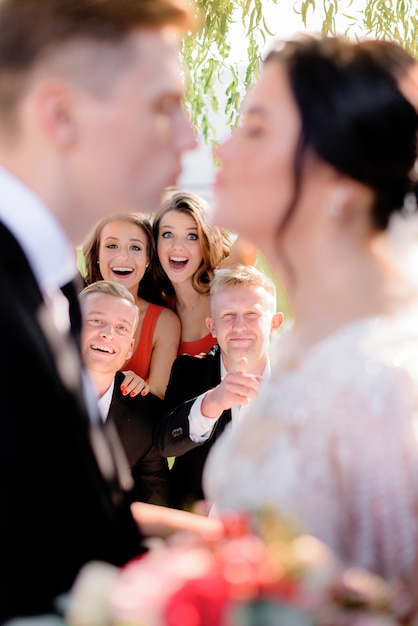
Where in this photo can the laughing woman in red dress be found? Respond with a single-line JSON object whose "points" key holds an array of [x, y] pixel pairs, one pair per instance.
{"points": [[189, 249]]}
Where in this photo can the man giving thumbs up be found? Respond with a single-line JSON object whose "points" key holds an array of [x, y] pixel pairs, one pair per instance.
{"points": [[205, 393]]}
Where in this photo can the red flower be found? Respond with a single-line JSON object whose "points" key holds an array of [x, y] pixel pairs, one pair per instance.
{"points": [[199, 602]]}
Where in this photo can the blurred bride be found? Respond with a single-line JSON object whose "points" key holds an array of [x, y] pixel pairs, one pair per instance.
{"points": [[321, 165]]}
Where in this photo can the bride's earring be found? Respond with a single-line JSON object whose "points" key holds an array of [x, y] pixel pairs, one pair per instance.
{"points": [[333, 204], [332, 209], [409, 204]]}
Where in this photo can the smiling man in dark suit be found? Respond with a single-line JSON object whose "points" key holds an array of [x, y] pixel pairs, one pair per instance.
{"points": [[110, 317], [205, 393]]}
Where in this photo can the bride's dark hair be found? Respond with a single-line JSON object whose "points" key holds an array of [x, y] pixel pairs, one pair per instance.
{"points": [[354, 115]]}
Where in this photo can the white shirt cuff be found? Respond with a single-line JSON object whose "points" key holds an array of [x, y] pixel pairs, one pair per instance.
{"points": [[200, 427]]}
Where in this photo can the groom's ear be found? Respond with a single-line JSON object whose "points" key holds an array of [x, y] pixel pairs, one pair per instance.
{"points": [[55, 108]]}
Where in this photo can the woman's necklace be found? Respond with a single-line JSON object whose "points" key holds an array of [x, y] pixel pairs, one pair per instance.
{"points": [[194, 306], [198, 304]]}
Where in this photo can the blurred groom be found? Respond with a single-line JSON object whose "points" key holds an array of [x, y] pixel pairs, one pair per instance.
{"points": [[91, 122]]}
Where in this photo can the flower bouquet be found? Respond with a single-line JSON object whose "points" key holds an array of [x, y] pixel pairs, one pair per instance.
{"points": [[261, 572]]}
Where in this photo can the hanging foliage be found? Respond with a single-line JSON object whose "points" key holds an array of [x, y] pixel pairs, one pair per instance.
{"points": [[207, 58], [384, 19], [208, 54]]}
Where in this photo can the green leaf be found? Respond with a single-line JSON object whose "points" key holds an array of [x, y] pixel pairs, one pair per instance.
{"points": [[206, 54]]}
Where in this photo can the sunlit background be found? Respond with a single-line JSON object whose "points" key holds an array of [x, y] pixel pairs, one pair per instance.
{"points": [[283, 20]]}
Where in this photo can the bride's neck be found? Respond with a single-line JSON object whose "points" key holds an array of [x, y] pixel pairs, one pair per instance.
{"points": [[328, 293]]}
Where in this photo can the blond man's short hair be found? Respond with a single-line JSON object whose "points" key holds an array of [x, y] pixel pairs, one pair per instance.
{"points": [[244, 276]]}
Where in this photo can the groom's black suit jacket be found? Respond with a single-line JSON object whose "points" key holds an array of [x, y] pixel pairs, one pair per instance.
{"points": [[57, 511], [190, 376], [135, 420]]}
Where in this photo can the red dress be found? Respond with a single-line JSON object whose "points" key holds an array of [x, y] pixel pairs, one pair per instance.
{"points": [[192, 347], [196, 347], [140, 361]]}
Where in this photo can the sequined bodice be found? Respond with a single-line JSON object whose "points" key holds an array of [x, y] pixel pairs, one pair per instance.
{"points": [[335, 443]]}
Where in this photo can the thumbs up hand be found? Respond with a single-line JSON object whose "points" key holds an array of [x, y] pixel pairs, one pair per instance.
{"points": [[237, 387]]}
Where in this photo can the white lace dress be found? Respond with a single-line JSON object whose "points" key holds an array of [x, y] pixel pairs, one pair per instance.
{"points": [[335, 443]]}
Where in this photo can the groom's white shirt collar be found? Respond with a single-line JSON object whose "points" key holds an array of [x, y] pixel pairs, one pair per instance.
{"points": [[49, 251]]}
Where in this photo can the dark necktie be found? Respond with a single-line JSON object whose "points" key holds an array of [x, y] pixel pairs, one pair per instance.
{"points": [[71, 291]]}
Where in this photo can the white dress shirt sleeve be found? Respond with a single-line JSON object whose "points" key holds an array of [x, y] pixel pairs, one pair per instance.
{"points": [[200, 427]]}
